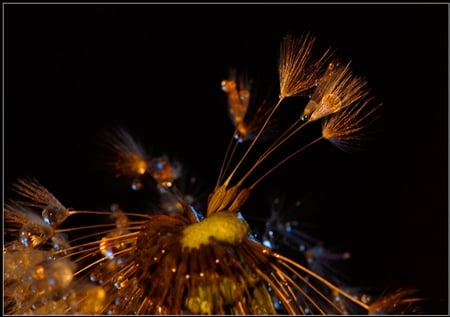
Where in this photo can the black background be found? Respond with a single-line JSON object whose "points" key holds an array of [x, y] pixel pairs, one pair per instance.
{"points": [[71, 70]]}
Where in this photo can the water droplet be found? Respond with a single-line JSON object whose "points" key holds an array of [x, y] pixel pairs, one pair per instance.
{"points": [[163, 172], [277, 304], [54, 216], [120, 281], [365, 298], [32, 235], [38, 272], [136, 184], [110, 245], [114, 207], [346, 255], [228, 85], [60, 274], [122, 221], [244, 95], [93, 301], [288, 226], [60, 242], [267, 243], [96, 276]]}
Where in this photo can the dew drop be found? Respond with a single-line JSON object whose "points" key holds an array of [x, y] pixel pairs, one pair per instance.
{"points": [[60, 274], [163, 172], [304, 118], [277, 303], [96, 276], [122, 221], [136, 184], [288, 227], [228, 85], [60, 242], [109, 247], [244, 95], [365, 298], [120, 281], [114, 207], [93, 300], [117, 284], [54, 216], [38, 272], [32, 235]]}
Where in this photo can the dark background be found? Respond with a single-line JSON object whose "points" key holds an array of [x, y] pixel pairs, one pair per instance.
{"points": [[71, 71]]}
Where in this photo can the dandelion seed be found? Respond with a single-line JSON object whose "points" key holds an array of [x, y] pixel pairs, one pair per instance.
{"points": [[238, 93], [130, 160], [337, 89], [247, 107], [397, 302], [298, 73], [37, 196], [29, 228], [128, 157], [347, 128]]}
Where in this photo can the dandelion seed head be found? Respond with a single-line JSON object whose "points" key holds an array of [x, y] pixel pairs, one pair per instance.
{"points": [[222, 226], [175, 258]]}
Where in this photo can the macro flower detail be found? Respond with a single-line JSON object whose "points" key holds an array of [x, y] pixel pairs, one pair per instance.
{"points": [[178, 258]]}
